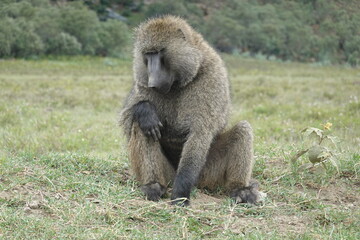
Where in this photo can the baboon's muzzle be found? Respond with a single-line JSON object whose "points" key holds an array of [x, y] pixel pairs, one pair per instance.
{"points": [[160, 78]]}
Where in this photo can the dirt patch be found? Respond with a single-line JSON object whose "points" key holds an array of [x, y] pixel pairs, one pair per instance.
{"points": [[27, 198], [5, 196], [337, 193], [274, 167], [340, 194], [205, 201], [290, 224], [282, 224], [241, 223]]}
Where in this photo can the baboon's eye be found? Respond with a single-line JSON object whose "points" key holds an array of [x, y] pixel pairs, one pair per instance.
{"points": [[162, 56], [151, 52], [162, 59]]}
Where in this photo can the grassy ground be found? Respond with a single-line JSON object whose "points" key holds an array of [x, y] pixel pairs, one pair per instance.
{"points": [[64, 170]]}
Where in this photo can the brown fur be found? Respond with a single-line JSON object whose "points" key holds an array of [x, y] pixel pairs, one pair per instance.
{"points": [[192, 149]]}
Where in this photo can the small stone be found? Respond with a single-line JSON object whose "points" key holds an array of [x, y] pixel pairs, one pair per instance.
{"points": [[27, 209], [34, 205]]}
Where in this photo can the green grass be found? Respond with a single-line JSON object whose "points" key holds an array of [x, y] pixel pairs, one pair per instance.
{"points": [[64, 170]]}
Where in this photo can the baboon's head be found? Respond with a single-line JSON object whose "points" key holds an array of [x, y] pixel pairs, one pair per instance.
{"points": [[166, 54]]}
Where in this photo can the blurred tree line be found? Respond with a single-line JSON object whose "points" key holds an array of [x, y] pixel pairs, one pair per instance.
{"points": [[301, 30], [42, 27]]}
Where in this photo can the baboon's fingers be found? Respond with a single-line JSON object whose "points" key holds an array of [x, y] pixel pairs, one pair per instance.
{"points": [[158, 134], [154, 135], [148, 133], [160, 124]]}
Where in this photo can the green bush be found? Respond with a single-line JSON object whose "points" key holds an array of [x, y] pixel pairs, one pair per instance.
{"points": [[7, 36], [291, 30], [299, 42], [181, 8], [48, 27], [166, 7], [64, 44], [115, 37], [78, 21], [18, 38], [352, 51], [27, 42], [35, 27], [17, 9], [224, 33]]}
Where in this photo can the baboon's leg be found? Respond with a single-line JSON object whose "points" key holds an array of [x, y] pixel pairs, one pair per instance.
{"points": [[148, 163], [230, 163]]}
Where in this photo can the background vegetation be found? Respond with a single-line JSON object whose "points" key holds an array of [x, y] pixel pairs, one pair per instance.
{"points": [[32, 28], [326, 31]]}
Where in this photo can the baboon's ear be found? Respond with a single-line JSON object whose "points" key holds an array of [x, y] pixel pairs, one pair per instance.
{"points": [[181, 34]]}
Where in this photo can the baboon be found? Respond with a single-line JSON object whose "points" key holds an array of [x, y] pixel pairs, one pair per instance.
{"points": [[175, 115]]}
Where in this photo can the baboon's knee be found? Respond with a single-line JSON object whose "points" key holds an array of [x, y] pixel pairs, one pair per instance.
{"points": [[243, 131], [244, 124], [244, 127]]}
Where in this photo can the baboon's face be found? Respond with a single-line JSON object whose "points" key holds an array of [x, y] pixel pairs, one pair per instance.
{"points": [[165, 55], [160, 77]]}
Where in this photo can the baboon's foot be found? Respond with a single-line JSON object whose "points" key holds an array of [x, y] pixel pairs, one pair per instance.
{"points": [[153, 191], [249, 194]]}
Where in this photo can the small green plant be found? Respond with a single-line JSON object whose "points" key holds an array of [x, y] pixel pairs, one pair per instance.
{"points": [[318, 153]]}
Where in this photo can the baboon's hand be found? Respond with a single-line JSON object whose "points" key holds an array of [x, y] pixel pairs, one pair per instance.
{"points": [[151, 128], [149, 122]]}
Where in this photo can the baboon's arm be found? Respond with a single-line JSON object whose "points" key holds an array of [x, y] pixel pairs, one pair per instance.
{"points": [[135, 97], [146, 116], [191, 163]]}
